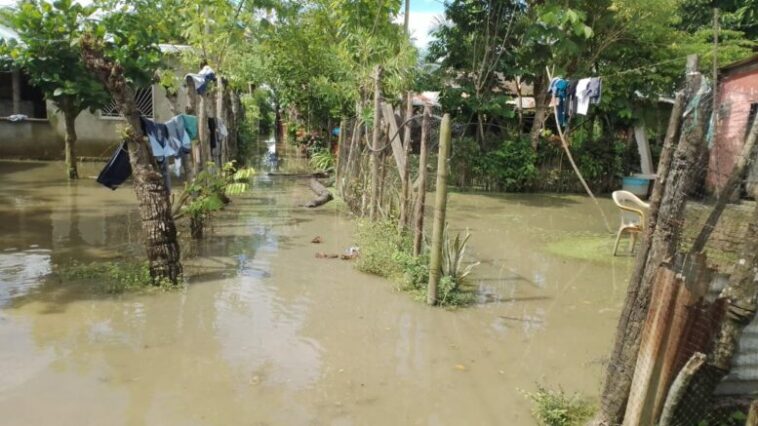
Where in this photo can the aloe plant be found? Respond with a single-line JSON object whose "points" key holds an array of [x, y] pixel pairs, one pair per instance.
{"points": [[453, 252]]}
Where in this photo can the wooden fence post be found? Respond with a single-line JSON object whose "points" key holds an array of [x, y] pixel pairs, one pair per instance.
{"points": [[375, 141], [405, 173], [418, 210], [664, 241], [440, 206]]}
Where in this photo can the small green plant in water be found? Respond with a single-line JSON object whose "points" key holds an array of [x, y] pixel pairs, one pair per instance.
{"points": [[210, 191], [112, 276], [386, 252], [556, 408], [322, 160]]}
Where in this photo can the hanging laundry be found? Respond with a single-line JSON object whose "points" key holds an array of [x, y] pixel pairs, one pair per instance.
{"points": [[571, 93], [157, 135], [177, 166], [559, 89], [222, 131], [595, 89], [201, 79], [212, 132], [582, 98], [176, 134], [190, 125], [117, 170]]}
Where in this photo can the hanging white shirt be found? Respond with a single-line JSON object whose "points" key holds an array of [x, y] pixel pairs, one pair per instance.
{"points": [[582, 98]]}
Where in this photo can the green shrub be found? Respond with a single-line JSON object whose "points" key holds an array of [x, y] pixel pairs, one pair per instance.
{"points": [[386, 252], [556, 408], [112, 277], [380, 244], [322, 160]]}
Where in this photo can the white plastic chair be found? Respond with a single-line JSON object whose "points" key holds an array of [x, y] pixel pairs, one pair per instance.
{"points": [[632, 217]]}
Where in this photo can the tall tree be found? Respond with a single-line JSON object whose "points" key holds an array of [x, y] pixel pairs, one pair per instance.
{"points": [[122, 53], [47, 51]]}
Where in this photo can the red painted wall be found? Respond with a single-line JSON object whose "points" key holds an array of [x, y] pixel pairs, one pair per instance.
{"points": [[736, 93]]}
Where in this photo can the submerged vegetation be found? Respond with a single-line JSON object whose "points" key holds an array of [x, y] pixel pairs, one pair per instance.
{"points": [[113, 277], [557, 408], [388, 253]]}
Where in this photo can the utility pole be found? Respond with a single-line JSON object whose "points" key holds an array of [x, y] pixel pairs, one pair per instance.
{"points": [[407, 17]]}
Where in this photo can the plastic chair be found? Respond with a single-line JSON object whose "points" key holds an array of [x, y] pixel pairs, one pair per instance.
{"points": [[632, 217]]}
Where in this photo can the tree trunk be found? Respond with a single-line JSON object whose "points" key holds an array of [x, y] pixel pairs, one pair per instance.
{"points": [[440, 208], [323, 195], [16, 90], [353, 158], [154, 206], [418, 214], [69, 118], [664, 240], [375, 141], [540, 110]]}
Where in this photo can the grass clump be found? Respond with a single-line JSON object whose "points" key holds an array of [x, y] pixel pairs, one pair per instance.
{"points": [[388, 253], [556, 408], [112, 277]]}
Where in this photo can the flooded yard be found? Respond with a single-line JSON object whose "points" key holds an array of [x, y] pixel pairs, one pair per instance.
{"points": [[266, 333]]}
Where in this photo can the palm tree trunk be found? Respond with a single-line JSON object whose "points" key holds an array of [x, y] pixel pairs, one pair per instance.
{"points": [[161, 244]]}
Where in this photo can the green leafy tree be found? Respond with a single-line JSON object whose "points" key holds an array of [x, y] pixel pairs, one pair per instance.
{"points": [[47, 51]]}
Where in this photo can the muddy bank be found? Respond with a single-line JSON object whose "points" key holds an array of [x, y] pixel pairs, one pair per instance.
{"points": [[266, 333]]}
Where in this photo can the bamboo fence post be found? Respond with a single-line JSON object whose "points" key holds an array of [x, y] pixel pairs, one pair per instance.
{"points": [[418, 213], [440, 206], [341, 151], [201, 151], [375, 141]]}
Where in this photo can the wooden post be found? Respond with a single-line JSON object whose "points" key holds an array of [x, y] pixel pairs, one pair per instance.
{"points": [[341, 154], [375, 141], [16, 89], [405, 173], [752, 415], [418, 213], [440, 207], [201, 149], [663, 240]]}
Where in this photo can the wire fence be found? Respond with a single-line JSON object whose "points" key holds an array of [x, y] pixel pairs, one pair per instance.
{"points": [[686, 352]]}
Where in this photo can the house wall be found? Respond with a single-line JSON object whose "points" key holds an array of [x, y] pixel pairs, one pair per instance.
{"points": [[738, 92], [96, 136]]}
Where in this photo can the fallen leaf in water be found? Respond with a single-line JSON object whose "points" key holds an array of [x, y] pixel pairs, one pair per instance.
{"points": [[460, 367], [316, 240]]}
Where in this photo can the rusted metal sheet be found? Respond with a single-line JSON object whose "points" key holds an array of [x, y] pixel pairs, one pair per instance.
{"points": [[743, 379]]}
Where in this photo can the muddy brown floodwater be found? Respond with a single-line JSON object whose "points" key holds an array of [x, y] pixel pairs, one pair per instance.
{"points": [[265, 333]]}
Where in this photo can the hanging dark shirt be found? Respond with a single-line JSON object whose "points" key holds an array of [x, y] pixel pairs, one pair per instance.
{"points": [[117, 170], [212, 131]]}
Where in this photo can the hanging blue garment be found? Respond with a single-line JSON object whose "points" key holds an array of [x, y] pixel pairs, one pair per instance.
{"points": [[117, 170], [157, 135], [175, 130], [559, 88], [200, 80]]}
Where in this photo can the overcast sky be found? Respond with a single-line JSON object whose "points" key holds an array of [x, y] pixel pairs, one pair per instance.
{"points": [[424, 16]]}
